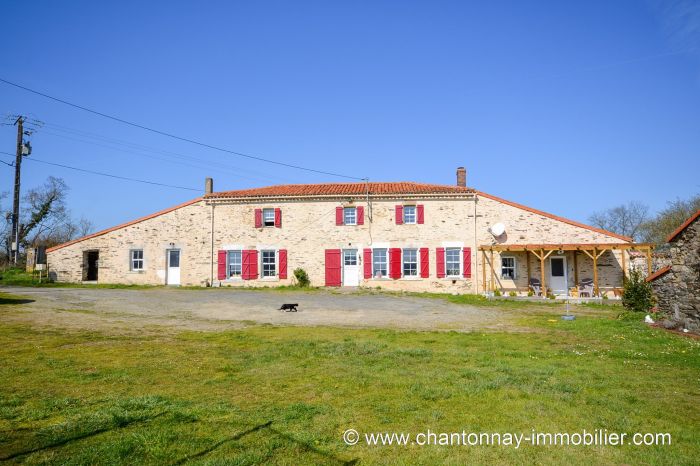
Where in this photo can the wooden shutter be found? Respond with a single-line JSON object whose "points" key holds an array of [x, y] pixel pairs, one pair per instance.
{"points": [[221, 265], [283, 264], [278, 218], [360, 215], [258, 218], [333, 274], [424, 263], [338, 215], [395, 263], [245, 265], [420, 213], [399, 214], [467, 262], [367, 258], [440, 262], [253, 264]]}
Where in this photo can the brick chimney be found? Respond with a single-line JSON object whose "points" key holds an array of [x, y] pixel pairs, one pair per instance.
{"points": [[461, 177], [208, 186]]}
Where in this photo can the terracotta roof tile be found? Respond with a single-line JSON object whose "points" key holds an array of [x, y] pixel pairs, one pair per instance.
{"points": [[658, 273], [331, 189], [685, 225]]}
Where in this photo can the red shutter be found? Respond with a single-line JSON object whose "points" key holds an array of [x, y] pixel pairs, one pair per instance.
{"points": [[245, 265], [368, 262], [395, 263], [278, 218], [399, 214], [283, 264], [440, 262], [221, 265], [253, 264], [467, 262], [424, 263], [338, 215], [421, 214], [258, 218], [360, 215], [333, 267]]}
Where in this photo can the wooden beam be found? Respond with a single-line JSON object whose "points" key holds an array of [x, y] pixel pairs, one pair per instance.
{"points": [[542, 281], [587, 253], [624, 267], [493, 273], [564, 247], [483, 268], [595, 271], [576, 268], [649, 264], [527, 260]]}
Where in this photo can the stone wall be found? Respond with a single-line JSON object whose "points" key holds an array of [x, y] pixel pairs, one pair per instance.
{"points": [[678, 291], [308, 229]]}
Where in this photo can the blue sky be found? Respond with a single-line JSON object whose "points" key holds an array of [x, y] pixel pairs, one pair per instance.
{"points": [[569, 107]]}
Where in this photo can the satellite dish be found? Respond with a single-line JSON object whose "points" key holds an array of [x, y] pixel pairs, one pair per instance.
{"points": [[497, 229]]}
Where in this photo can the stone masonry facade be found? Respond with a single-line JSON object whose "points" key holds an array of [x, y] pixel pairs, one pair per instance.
{"points": [[677, 287], [201, 229]]}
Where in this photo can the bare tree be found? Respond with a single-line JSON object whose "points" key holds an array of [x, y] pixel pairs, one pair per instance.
{"points": [[624, 219], [657, 229]]}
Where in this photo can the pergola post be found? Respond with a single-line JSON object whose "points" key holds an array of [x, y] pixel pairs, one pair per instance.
{"points": [[576, 269], [493, 273], [544, 285], [595, 271], [649, 271], [527, 261], [483, 268], [624, 267]]}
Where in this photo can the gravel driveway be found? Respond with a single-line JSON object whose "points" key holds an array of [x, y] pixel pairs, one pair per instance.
{"points": [[128, 310]]}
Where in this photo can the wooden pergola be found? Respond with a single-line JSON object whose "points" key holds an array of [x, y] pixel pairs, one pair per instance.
{"points": [[543, 251]]}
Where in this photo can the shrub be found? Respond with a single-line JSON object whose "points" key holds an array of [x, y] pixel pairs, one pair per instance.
{"points": [[531, 293], [512, 294], [637, 293], [497, 292], [302, 278]]}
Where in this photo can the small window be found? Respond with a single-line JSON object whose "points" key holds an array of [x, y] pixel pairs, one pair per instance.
{"points": [[269, 264], [410, 262], [453, 262], [409, 214], [234, 264], [350, 216], [380, 267], [269, 217], [137, 259], [508, 268]]}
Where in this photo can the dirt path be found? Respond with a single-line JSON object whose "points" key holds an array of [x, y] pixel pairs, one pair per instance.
{"points": [[137, 311]]}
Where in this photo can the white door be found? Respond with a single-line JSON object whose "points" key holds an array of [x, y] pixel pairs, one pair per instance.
{"points": [[557, 278], [351, 271], [173, 277]]}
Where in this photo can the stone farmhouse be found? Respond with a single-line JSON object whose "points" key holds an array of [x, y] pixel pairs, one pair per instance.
{"points": [[677, 286], [397, 236]]}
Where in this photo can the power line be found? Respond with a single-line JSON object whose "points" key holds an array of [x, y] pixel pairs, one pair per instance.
{"points": [[33, 159], [170, 135]]}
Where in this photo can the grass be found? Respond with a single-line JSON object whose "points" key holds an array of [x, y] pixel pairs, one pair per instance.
{"points": [[284, 395]]}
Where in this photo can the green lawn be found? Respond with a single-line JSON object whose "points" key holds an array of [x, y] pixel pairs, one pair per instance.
{"points": [[285, 395]]}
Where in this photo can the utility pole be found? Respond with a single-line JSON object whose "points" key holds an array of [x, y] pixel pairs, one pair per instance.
{"points": [[14, 241]]}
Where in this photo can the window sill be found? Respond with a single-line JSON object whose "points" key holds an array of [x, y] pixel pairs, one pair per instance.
{"points": [[232, 279], [136, 271], [269, 279]]}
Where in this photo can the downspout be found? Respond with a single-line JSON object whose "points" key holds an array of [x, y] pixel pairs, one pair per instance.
{"points": [[211, 252], [476, 251]]}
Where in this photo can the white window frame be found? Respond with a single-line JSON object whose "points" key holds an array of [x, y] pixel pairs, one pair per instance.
{"points": [[460, 267], [403, 268], [133, 261], [262, 264], [514, 267], [264, 221], [414, 209], [386, 262], [348, 209], [228, 264]]}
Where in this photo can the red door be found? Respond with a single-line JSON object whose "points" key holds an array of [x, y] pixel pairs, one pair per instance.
{"points": [[333, 274]]}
